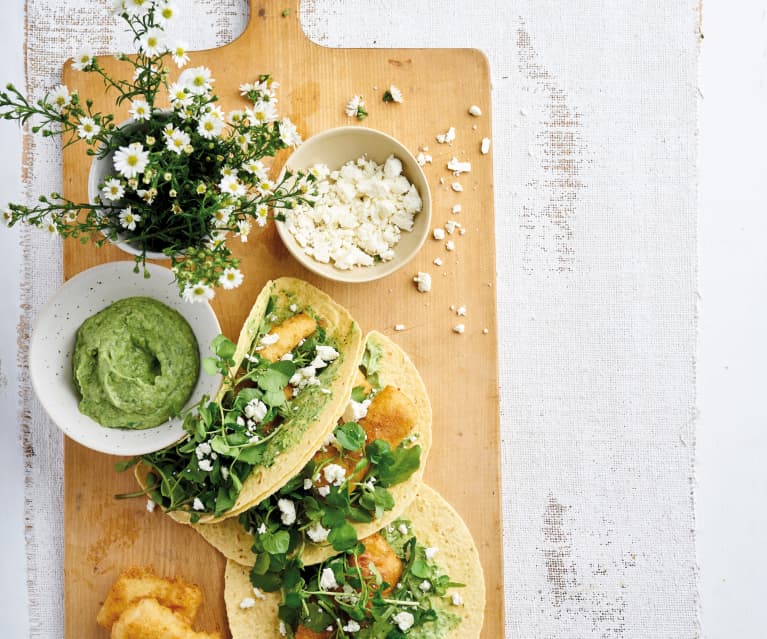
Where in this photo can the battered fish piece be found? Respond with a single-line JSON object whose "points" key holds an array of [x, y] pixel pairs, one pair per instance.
{"points": [[302, 632], [391, 416], [147, 619], [290, 333], [140, 583], [379, 553], [362, 381]]}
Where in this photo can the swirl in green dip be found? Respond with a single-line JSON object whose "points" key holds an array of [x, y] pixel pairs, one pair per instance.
{"points": [[135, 364]]}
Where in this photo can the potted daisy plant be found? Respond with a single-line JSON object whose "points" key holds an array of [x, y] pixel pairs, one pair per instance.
{"points": [[173, 182]]}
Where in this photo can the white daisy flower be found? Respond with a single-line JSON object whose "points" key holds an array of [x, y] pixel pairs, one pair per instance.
{"points": [[88, 128], [60, 98], [7, 217], [165, 12], [112, 190], [49, 225], [152, 43], [221, 216], [197, 79], [243, 230], [228, 171], [83, 59], [216, 238], [131, 160], [129, 219], [236, 116], [265, 187], [179, 53], [288, 133], [263, 112], [353, 106], [197, 292], [140, 110], [210, 126], [118, 7], [177, 141], [255, 167], [231, 185], [215, 111], [262, 214], [138, 7], [179, 95], [231, 278], [396, 94], [247, 88]]}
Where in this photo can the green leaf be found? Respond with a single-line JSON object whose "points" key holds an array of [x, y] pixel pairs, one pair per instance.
{"points": [[251, 455], [358, 394], [223, 347], [210, 365], [268, 582], [351, 436], [420, 569], [220, 445], [276, 377], [276, 543], [343, 538], [274, 398], [405, 462], [261, 566]]}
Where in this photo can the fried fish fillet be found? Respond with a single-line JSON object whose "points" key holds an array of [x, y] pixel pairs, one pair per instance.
{"points": [[391, 416], [302, 632], [140, 583], [289, 334], [147, 619], [379, 553]]}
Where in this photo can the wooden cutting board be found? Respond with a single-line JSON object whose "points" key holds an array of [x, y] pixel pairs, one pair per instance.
{"points": [[104, 536]]}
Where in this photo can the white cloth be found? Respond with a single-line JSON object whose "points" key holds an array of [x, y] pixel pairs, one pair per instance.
{"points": [[595, 183]]}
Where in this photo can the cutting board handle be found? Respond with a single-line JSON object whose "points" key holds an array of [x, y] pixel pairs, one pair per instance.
{"points": [[276, 21]]}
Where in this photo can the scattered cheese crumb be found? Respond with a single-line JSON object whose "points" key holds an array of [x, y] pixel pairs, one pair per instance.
{"points": [[324, 491], [258, 594], [447, 137], [458, 167], [438, 261], [484, 147], [485, 331], [288, 510], [456, 186], [425, 585], [457, 600], [457, 208], [438, 233], [248, 602], [197, 504], [431, 552], [459, 328], [475, 110], [450, 245], [423, 158], [450, 226], [150, 505], [402, 529], [328, 579], [399, 327], [461, 311], [404, 620], [423, 282]]}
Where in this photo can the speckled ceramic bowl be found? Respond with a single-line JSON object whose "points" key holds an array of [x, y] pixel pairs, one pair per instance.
{"points": [[53, 343], [336, 147]]}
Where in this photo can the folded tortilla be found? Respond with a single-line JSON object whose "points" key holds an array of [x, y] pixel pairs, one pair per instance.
{"points": [[395, 369], [319, 411], [435, 524]]}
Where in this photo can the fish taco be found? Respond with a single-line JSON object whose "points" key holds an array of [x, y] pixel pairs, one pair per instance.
{"points": [[418, 577], [286, 383], [360, 480]]}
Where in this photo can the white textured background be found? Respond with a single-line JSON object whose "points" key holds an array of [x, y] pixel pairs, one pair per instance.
{"points": [[596, 206]]}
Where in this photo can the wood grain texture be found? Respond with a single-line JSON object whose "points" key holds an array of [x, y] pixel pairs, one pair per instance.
{"points": [[104, 535]]}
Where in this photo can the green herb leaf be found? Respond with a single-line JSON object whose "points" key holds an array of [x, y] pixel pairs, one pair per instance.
{"points": [[404, 463], [276, 543], [350, 435], [358, 394], [343, 538]]}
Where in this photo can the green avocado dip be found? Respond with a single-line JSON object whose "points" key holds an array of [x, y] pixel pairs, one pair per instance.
{"points": [[135, 364]]}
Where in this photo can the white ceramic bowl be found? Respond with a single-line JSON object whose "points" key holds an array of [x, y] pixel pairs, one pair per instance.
{"points": [[53, 343], [336, 147]]}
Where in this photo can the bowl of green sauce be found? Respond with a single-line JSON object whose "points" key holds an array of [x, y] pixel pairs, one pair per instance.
{"points": [[115, 358]]}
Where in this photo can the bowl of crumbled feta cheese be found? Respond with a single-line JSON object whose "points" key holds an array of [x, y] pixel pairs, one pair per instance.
{"points": [[372, 211]]}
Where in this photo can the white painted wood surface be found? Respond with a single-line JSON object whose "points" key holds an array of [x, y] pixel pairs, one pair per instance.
{"points": [[732, 439]]}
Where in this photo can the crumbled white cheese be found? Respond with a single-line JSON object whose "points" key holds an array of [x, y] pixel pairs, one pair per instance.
{"points": [[451, 225], [402, 529], [293, 308], [317, 532], [205, 465], [255, 410], [352, 626], [355, 411], [457, 599], [404, 620], [248, 602], [308, 483], [423, 282], [399, 327], [456, 186], [431, 552], [288, 510], [458, 167], [334, 474], [484, 146], [423, 158], [258, 594], [438, 261], [450, 245], [425, 585], [269, 339], [461, 311], [287, 357], [262, 529], [438, 234], [150, 506], [459, 328], [282, 629], [456, 209], [447, 137], [359, 216], [197, 504], [328, 579], [475, 110], [485, 331], [324, 491]]}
